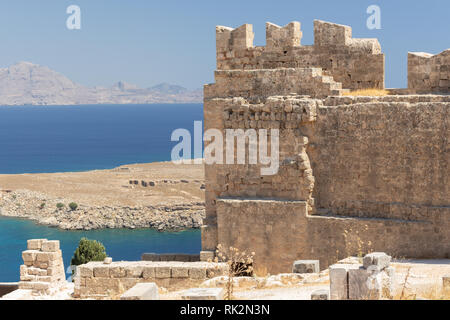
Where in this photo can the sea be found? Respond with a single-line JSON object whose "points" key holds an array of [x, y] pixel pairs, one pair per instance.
{"points": [[45, 139]]}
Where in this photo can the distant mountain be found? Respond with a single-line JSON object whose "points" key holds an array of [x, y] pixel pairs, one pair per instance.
{"points": [[168, 88], [26, 83]]}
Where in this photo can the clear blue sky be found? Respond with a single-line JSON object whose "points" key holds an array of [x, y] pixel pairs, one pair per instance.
{"points": [[146, 42]]}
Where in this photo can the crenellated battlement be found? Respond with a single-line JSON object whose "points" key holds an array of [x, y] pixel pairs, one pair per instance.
{"points": [[229, 39], [354, 173], [335, 51], [429, 73], [282, 38]]}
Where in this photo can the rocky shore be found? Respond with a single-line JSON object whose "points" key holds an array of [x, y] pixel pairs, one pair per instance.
{"points": [[49, 211]]}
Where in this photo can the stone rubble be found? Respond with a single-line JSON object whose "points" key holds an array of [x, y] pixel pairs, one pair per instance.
{"points": [[43, 268], [373, 280], [29, 204]]}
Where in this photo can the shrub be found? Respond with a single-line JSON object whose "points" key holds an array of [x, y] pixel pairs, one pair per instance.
{"points": [[59, 205], [42, 206], [240, 264], [88, 250], [73, 206]]}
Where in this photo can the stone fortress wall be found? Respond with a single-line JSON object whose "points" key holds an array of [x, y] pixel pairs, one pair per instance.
{"points": [[356, 174], [427, 72], [334, 51]]}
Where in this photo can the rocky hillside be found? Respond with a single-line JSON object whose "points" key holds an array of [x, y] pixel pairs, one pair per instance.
{"points": [[29, 84]]}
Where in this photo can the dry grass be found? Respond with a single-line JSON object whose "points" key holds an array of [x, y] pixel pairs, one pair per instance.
{"points": [[239, 263], [367, 93], [261, 272]]}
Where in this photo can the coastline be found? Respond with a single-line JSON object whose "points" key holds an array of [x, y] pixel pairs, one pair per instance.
{"points": [[109, 198]]}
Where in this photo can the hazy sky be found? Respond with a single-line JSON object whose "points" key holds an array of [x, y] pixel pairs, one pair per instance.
{"points": [[146, 42]]}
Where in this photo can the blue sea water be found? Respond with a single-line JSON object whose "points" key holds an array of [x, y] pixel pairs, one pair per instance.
{"points": [[78, 138], [37, 139], [120, 244]]}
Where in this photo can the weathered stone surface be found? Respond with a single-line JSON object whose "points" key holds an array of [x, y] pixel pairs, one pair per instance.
{"points": [[142, 291], [339, 289], [180, 272], [379, 259], [207, 255], [50, 246], [197, 272], [162, 271], [43, 267], [342, 156], [95, 279], [107, 260], [371, 283], [429, 73], [35, 244], [203, 294], [306, 266], [446, 284], [320, 295], [363, 285]]}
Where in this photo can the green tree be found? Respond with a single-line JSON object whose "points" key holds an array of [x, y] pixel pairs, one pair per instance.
{"points": [[88, 250], [73, 206]]}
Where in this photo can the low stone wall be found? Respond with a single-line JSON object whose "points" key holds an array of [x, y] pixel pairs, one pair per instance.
{"points": [[100, 280], [7, 287], [180, 257]]}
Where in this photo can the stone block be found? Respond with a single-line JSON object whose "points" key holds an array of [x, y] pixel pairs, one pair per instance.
{"points": [[197, 273], [148, 272], [107, 260], [29, 256], [43, 257], [306, 266], [150, 257], [142, 291], [101, 272], [23, 270], [162, 272], [339, 280], [135, 271], [85, 271], [180, 272], [50, 246], [35, 244], [207, 256], [379, 259], [40, 286], [446, 283], [117, 272], [28, 278], [203, 294], [365, 284], [320, 295]]}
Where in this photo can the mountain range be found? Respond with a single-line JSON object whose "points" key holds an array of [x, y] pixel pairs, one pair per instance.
{"points": [[25, 83]]}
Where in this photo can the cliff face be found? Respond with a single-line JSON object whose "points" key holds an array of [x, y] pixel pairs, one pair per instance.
{"points": [[29, 84]]}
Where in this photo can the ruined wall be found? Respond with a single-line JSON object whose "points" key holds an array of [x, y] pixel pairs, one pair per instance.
{"points": [[100, 280], [380, 158], [334, 51], [429, 73], [356, 174]]}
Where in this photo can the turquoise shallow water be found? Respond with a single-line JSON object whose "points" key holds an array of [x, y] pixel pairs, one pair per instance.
{"points": [[121, 244]]}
